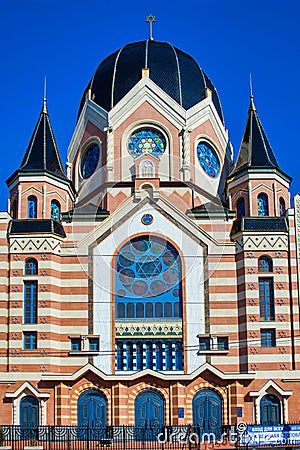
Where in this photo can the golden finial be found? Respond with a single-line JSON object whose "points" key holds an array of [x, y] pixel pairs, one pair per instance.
{"points": [[45, 96], [150, 19]]}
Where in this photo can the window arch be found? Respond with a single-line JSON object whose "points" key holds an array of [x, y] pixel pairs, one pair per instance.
{"points": [[31, 266], [32, 207], [29, 411], [240, 207], [270, 410], [265, 264], [55, 210], [148, 279], [262, 205], [282, 209]]}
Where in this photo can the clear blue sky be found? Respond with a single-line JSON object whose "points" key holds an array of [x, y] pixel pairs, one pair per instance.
{"points": [[67, 39]]}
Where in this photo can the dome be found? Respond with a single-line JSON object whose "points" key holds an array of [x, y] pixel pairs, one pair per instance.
{"points": [[174, 71]]}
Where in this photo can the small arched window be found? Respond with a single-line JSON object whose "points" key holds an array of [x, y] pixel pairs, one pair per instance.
{"points": [[14, 210], [262, 205], [55, 210], [240, 207], [32, 207], [265, 264], [147, 169], [31, 267], [281, 207]]}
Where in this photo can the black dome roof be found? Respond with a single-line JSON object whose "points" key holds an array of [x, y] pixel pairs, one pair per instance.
{"points": [[174, 71]]}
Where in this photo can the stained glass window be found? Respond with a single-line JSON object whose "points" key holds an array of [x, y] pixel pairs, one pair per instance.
{"points": [[31, 266], [146, 140], [281, 206], [265, 264], [148, 279], [55, 210], [262, 205], [90, 161], [208, 159], [32, 207], [241, 208]]}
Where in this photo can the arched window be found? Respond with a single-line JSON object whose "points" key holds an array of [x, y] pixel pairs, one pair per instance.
{"points": [[169, 356], [120, 310], [270, 410], [120, 356], [139, 356], [158, 356], [265, 264], [147, 169], [240, 206], [266, 299], [148, 278], [31, 267], [29, 412], [282, 207], [32, 207], [91, 409], [14, 210], [55, 210], [178, 356], [262, 205], [129, 356]]}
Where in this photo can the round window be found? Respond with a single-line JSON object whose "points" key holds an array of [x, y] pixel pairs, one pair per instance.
{"points": [[90, 161], [146, 140], [208, 159]]}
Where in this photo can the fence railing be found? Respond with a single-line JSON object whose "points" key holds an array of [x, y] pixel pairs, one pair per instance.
{"points": [[95, 438]]}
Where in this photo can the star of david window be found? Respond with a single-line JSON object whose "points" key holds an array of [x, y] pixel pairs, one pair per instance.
{"points": [[148, 279], [146, 140], [208, 159]]}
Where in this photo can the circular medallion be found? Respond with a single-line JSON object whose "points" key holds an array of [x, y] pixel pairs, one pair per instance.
{"points": [[147, 140], [208, 159], [90, 161], [147, 219]]}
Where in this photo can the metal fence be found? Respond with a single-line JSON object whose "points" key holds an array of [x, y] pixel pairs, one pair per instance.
{"points": [[113, 437]]}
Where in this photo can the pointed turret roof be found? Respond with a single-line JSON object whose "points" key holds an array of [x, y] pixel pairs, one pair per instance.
{"points": [[42, 153], [255, 150]]}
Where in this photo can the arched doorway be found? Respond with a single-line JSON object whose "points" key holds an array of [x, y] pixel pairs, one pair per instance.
{"points": [[270, 410], [149, 410], [29, 412], [207, 412], [91, 409]]}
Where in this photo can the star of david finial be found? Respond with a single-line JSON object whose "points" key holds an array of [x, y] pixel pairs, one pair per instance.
{"points": [[150, 19]]}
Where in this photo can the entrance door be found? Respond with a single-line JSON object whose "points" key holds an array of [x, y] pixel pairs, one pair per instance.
{"points": [[207, 412], [91, 409], [29, 412], [149, 410], [270, 410]]}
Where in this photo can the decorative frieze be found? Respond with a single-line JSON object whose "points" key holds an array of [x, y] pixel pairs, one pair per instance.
{"points": [[149, 329]]}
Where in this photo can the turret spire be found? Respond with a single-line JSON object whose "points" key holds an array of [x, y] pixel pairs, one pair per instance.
{"points": [[45, 96]]}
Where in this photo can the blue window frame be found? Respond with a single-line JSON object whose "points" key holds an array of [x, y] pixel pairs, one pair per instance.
{"points": [[240, 208], [265, 264], [93, 344], [178, 356], [169, 356], [32, 207], [29, 340], [149, 355], [31, 266], [75, 344], [268, 337], [266, 299], [30, 302], [204, 343], [222, 343], [158, 356], [139, 356], [262, 205], [55, 210], [148, 280]]}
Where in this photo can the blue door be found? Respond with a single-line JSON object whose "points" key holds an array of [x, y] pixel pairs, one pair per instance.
{"points": [[149, 410], [91, 409], [29, 412], [270, 410], [207, 412]]}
